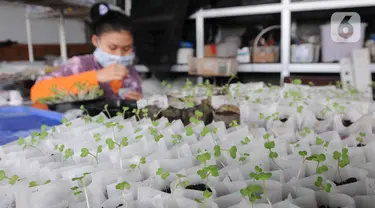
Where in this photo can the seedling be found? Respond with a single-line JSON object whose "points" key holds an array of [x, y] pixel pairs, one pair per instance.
{"points": [[97, 137], [12, 180], [123, 113], [246, 141], [106, 110], [163, 174], [182, 181], [68, 152], [35, 184], [176, 138], [86, 116], [205, 131], [137, 113], [360, 138], [262, 176], [85, 152], [100, 119], [77, 190], [303, 154], [320, 169], [300, 109], [33, 141], [206, 171], [112, 144], [232, 151], [339, 108], [252, 193], [156, 134], [243, 158], [142, 161], [342, 159], [206, 195], [122, 187], [197, 118], [66, 122], [189, 131], [166, 85], [270, 145], [234, 124], [305, 132], [274, 116], [297, 81]]}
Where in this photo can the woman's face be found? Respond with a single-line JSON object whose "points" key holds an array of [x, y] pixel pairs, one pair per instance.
{"points": [[115, 43]]}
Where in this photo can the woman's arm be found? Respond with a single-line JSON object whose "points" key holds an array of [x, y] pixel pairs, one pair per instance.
{"points": [[65, 78]]}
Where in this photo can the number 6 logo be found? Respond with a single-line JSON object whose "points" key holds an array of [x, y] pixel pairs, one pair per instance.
{"points": [[346, 27]]}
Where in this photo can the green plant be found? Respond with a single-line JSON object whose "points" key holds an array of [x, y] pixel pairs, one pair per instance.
{"points": [[206, 195], [176, 138], [156, 134], [205, 172], [360, 138], [77, 190], [122, 187], [244, 157], [112, 144], [252, 193], [342, 159], [196, 119], [297, 81], [234, 124], [189, 131], [34, 183], [123, 113], [86, 116], [320, 141], [205, 131], [100, 119], [163, 174], [273, 116], [142, 161], [97, 137], [259, 175], [66, 122], [303, 154], [270, 145], [85, 152], [305, 132], [232, 151], [320, 169], [246, 141], [138, 113], [182, 181], [33, 141], [12, 180], [106, 110], [61, 148]]}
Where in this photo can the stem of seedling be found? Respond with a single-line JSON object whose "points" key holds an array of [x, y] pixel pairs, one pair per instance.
{"points": [[142, 161], [111, 145], [270, 145], [342, 160], [12, 180], [122, 187], [75, 189], [21, 141], [265, 193], [303, 154], [85, 152], [106, 110]]}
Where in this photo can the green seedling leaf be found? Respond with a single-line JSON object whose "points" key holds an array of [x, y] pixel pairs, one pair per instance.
{"points": [[362, 134], [297, 82], [302, 153], [299, 109], [77, 193], [322, 169], [319, 141], [245, 141], [261, 115], [189, 131], [124, 142], [159, 171], [84, 152], [321, 157], [198, 114], [142, 160], [47, 182], [273, 155], [110, 143], [207, 194], [266, 135], [13, 180], [99, 149], [68, 153], [33, 184], [205, 131], [155, 123], [269, 145], [336, 155], [123, 186], [165, 175], [233, 152], [75, 188], [217, 151], [21, 141], [133, 166]]}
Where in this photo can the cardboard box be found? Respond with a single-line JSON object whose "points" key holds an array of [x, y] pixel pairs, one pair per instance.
{"points": [[210, 50], [213, 66]]}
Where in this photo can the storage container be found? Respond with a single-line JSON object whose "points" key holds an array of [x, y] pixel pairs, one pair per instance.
{"points": [[305, 53], [213, 66], [334, 51], [266, 54]]}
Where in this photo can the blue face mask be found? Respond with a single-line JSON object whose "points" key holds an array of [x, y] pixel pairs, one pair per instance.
{"points": [[106, 59]]}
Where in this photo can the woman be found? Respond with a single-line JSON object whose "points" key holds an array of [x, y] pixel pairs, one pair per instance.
{"points": [[109, 67]]}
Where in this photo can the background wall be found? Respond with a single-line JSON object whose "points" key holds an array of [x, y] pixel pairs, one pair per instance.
{"points": [[45, 31]]}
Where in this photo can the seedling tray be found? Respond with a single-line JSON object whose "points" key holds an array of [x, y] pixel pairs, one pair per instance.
{"points": [[21, 121]]}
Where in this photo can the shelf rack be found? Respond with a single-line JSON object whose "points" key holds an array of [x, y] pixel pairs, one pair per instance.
{"points": [[286, 7]]}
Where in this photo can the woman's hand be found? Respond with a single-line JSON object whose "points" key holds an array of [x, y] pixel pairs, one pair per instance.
{"points": [[133, 96], [112, 72]]}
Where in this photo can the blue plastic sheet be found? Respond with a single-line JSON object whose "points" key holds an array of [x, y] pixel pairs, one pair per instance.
{"points": [[21, 121]]}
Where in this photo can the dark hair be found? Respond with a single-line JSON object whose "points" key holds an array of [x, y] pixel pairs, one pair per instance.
{"points": [[104, 19]]}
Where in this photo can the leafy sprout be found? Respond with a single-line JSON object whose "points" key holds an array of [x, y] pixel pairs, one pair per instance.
{"points": [[189, 131], [163, 174], [34, 183], [86, 116], [85, 152], [234, 124], [252, 193], [342, 159], [100, 119], [76, 189], [197, 118], [123, 113], [176, 138], [142, 161], [243, 158], [33, 142], [360, 138], [259, 175], [320, 169], [270, 145], [245, 141], [12, 180], [66, 122], [232, 151], [303, 154], [305, 132], [182, 181], [123, 186], [156, 134]]}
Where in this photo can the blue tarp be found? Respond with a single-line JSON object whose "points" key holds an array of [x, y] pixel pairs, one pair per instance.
{"points": [[21, 121]]}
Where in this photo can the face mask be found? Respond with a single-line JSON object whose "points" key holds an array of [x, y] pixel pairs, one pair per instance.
{"points": [[106, 59]]}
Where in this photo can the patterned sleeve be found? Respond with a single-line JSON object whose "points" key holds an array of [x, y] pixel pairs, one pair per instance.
{"points": [[72, 67], [133, 82]]}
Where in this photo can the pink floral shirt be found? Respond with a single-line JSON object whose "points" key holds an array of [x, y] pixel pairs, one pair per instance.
{"points": [[79, 64]]}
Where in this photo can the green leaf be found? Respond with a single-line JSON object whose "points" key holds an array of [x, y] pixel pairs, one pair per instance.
{"points": [[207, 194], [33, 184], [13, 180], [214, 170], [362, 134], [159, 171], [133, 166], [189, 131], [261, 115], [84, 152], [155, 123], [99, 149], [47, 182], [165, 175], [68, 153], [321, 157], [21, 141], [302, 153], [198, 114], [322, 169], [273, 155], [142, 160], [123, 186], [74, 188], [110, 143], [269, 145], [233, 152], [336, 155], [198, 201], [258, 169], [205, 131], [124, 141], [299, 109], [319, 141], [61, 148], [217, 151], [328, 187], [297, 82], [77, 193], [265, 176]]}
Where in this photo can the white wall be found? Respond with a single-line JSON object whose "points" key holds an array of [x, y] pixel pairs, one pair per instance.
{"points": [[12, 26]]}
